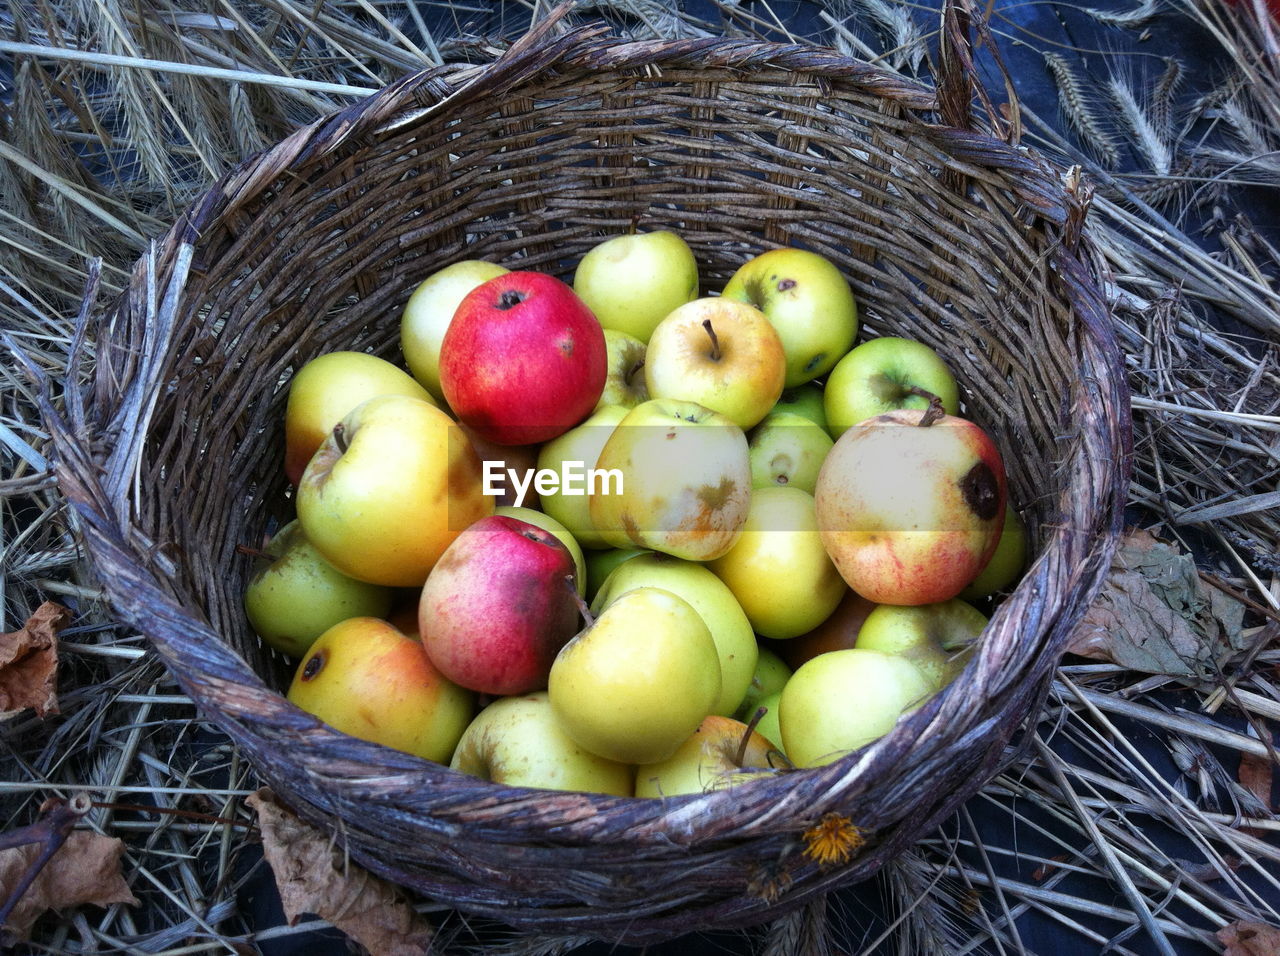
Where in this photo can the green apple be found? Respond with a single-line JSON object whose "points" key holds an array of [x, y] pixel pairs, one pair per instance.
{"points": [[722, 752], [911, 512], [325, 390], [548, 523], [624, 384], [295, 595], [806, 400], [517, 741], [778, 569], [1006, 564], [937, 638], [632, 282], [735, 643], [883, 375], [365, 678], [771, 675], [635, 683], [719, 353], [600, 564], [768, 726], [429, 311], [581, 444], [843, 700], [787, 449], [389, 490], [685, 478], [808, 301]]}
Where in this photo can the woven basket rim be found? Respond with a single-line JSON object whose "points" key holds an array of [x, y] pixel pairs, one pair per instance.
{"points": [[228, 692]]}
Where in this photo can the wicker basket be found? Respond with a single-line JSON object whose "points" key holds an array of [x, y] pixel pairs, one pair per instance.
{"points": [[172, 453]]}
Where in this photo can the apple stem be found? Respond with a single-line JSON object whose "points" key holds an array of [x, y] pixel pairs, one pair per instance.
{"points": [[715, 340], [935, 410], [583, 607], [635, 222], [746, 734], [340, 438], [251, 551]]}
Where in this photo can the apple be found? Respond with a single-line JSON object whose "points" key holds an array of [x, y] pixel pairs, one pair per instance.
{"points": [[547, 523], [295, 595], [365, 678], [883, 375], [787, 449], [686, 481], [1007, 561], [429, 311], [632, 282], [582, 445], [517, 741], [325, 390], [714, 757], [836, 633], [635, 683], [624, 385], [523, 360], [808, 301], [498, 606], [389, 490], [937, 638], [806, 400], [771, 675], [600, 565], [735, 643], [719, 353], [778, 568], [843, 700], [911, 512]]}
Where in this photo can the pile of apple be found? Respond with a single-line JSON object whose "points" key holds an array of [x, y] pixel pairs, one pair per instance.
{"points": [[623, 538]]}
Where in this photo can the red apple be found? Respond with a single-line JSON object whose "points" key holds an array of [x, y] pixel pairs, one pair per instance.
{"points": [[499, 605], [910, 511], [523, 360]]}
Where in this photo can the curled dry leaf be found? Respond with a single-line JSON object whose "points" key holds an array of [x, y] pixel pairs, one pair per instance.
{"points": [[1244, 938], [1157, 616], [84, 870], [314, 878], [29, 661]]}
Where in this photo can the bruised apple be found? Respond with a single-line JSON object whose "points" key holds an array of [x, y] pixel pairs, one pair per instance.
{"points": [[910, 507]]}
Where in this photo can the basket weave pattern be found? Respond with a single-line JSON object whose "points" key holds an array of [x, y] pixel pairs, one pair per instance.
{"points": [[171, 453]]}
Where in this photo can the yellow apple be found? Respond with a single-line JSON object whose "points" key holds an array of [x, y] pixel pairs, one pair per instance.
{"points": [[517, 741], [771, 675], [583, 445], [937, 638], [685, 479], [632, 282], [624, 384], [633, 685], [429, 311], [365, 678], [778, 569], [720, 353], [843, 700], [722, 752], [325, 390], [808, 301], [787, 449], [714, 602], [389, 490]]}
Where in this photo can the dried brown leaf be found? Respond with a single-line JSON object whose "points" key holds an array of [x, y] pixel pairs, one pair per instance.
{"points": [[1157, 616], [1245, 938], [313, 878], [84, 870], [29, 661]]}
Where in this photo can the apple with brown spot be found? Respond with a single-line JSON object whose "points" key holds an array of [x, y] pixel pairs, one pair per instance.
{"points": [[910, 505]]}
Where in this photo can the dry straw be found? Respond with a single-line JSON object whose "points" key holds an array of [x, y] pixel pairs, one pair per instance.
{"points": [[170, 453]]}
